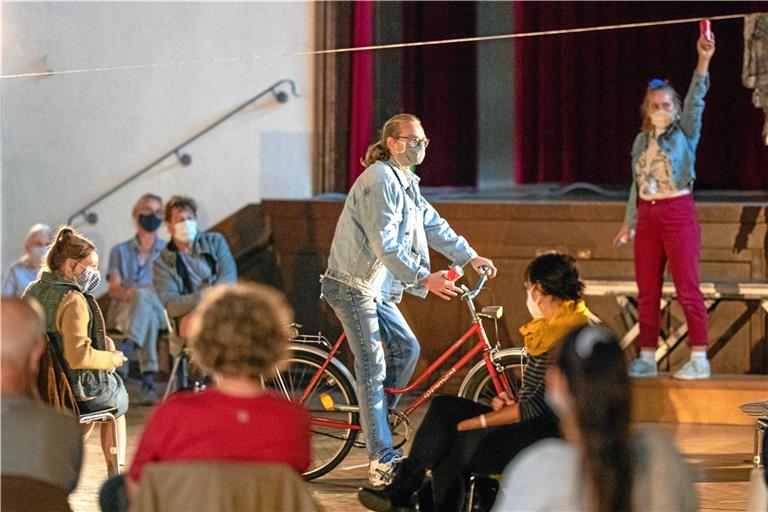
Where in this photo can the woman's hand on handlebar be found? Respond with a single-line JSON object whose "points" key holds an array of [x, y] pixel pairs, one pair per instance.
{"points": [[437, 283], [483, 266]]}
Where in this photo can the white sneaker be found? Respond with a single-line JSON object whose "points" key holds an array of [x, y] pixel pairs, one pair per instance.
{"points": [[382, 473], [640, 368], [693, 370]]}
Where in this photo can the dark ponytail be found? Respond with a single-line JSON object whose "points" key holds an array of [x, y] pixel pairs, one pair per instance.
{"points": [[67, 243], [557, 275], [593, 364]]}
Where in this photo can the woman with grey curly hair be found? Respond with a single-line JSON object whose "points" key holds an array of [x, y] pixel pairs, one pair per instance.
{"points": [[238, 333]]}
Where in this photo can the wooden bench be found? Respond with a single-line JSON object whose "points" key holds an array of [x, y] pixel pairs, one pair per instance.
{"points": [[714, 293]]}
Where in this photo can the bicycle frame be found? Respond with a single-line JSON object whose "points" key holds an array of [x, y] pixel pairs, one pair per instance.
{"points": [[500, 381]]}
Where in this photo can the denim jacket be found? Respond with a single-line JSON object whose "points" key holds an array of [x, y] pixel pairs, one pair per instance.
{"points": [[169, 275], [679, 142], [386, 222]]}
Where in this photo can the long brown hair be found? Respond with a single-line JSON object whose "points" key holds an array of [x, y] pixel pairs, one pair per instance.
{"points": [[67, 243], [593, 364], [647, 125], [379, 150]]}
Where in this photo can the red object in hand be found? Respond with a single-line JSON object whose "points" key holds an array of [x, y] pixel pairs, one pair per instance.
{"points": [[454, 273], [705, 28]]}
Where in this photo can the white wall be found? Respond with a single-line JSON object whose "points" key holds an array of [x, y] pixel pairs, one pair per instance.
{"points": [[66, 139]]}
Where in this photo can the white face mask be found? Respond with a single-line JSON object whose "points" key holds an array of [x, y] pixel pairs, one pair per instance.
{"points": [[533, 307], [185, 231], [662, 118], [36, 253]]}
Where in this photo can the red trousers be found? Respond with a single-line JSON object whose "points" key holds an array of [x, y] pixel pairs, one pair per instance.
{"points": [[668, 231]]}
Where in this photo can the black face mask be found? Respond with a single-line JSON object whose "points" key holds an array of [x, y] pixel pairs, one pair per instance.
{"points": [[150, 222]]}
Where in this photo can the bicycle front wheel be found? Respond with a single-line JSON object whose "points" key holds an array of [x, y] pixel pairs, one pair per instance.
{"points": [[330, 444], [478, 385]]}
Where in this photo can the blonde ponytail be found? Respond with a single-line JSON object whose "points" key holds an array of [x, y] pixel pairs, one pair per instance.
{"points": [[378, 151]]}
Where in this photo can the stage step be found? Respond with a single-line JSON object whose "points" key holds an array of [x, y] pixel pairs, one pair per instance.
{"points": [[711, 401]]}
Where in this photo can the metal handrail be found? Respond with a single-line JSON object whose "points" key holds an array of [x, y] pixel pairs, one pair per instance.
{"points": [[184, 158]]}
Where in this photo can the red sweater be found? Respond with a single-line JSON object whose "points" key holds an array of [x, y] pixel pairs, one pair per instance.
{"points": [[213, 426]]}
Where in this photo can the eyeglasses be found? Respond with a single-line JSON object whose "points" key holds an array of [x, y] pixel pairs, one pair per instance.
{"points": [[415, 141]]}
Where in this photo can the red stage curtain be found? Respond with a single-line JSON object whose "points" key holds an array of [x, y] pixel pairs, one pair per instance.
{"points": [[361, 112], [577, 96]]}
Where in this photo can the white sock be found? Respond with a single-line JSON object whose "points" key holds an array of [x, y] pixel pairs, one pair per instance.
{"points": [[699, 355], [649, 356]]}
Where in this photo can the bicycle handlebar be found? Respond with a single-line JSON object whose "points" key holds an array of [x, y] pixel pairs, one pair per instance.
{"points": [[471, 294]]}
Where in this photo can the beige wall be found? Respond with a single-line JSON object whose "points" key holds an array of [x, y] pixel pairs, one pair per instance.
{"points": [[66, 139]]}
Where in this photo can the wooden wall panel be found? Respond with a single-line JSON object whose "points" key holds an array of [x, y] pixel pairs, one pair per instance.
{"points": [[512, 233]]}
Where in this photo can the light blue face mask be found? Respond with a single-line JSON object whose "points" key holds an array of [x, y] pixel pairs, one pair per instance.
{"points": [[185, 231]]}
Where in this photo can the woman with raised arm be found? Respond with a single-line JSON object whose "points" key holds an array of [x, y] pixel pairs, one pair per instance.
{"points": [[458, 436], [661, 215], [381, 249]]}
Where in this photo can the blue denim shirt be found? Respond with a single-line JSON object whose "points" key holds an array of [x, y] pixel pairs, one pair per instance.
{"points": [[387, 225], [679, 142], [124, 261]]}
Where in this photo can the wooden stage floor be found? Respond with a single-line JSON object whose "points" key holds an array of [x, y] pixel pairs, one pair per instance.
{"points": [[719, 455]]}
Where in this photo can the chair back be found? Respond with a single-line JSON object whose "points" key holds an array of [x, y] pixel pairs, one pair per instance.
{"points": [[222, 486], [24, 494], [53, 377]]}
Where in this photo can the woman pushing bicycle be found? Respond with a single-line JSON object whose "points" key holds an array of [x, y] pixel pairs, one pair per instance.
{"points": [[381, 249]]}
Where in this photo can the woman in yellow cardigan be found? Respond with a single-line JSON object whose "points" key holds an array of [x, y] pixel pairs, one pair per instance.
{"points": [[75, 324]]}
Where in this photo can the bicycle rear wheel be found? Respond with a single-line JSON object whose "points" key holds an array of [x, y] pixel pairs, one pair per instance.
{"points": [[478, 386], [330, 444]]}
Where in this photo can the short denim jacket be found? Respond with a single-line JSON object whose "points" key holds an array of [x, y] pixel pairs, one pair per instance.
{"points": [[386, 222], [679, 142]]}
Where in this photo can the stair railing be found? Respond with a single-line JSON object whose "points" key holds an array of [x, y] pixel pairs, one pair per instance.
{"points": [[184, 159]]}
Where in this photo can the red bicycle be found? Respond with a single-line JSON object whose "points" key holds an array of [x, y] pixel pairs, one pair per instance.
{"points": [[314, 377]]}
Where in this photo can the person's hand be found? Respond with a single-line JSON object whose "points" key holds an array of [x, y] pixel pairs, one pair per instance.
{"points": [[437, 283], [478, 262], [118, 359], [184, 326], [502, 400], [623, 236], [705, 47]]}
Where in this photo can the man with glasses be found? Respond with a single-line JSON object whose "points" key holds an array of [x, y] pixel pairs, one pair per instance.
{"points": [[381, 249]]}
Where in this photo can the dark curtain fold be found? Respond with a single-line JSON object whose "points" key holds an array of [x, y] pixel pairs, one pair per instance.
{"points": [[362, 93], [440, 87], [577, 96]]}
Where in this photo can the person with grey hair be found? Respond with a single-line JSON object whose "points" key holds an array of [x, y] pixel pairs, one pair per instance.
{"points": [[38, 442], [24, 270]]}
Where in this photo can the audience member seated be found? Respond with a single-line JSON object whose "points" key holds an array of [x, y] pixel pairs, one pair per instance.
{"points": [[459, 436], [222, 487], [238, 334], [74, 320], [602, 464], [135, 310], [24, 270], [38, 442], [190, 262]]}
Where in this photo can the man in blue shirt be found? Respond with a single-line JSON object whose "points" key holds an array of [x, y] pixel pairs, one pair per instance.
{"points": [[135, 309]]}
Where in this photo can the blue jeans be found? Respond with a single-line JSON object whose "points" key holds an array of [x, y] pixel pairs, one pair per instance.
{"points": [[145, 318], [386, 352]]}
